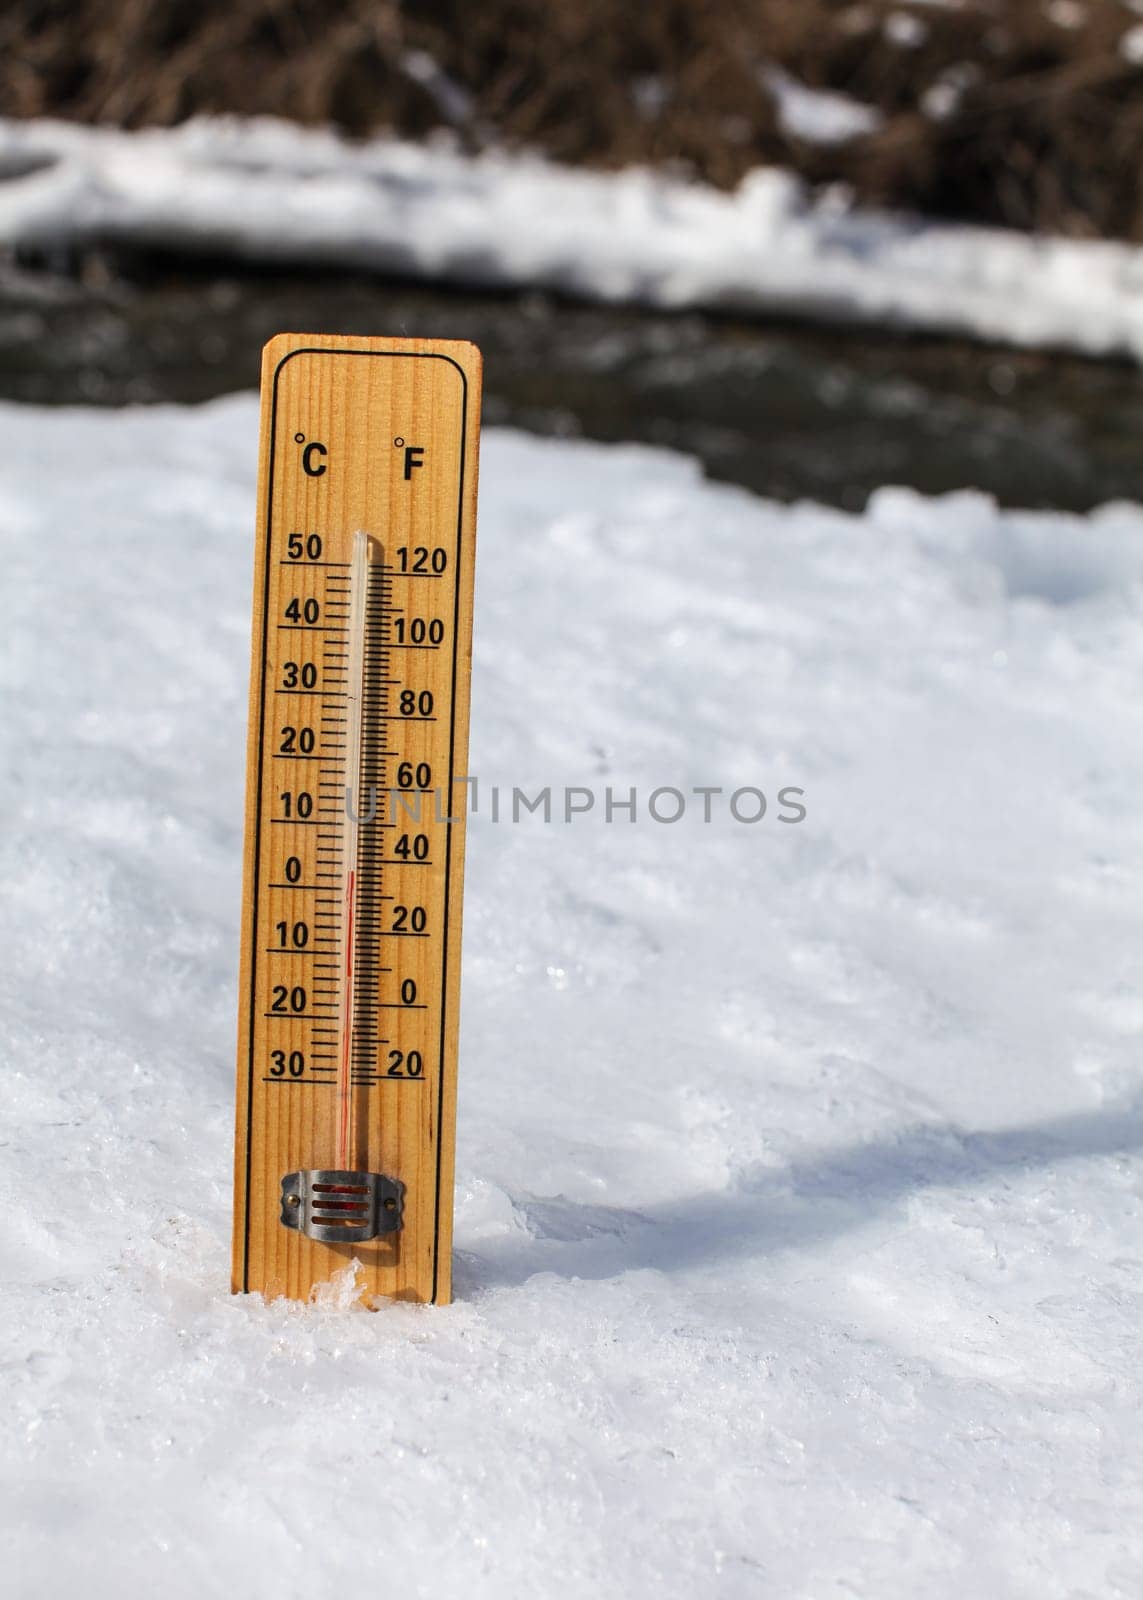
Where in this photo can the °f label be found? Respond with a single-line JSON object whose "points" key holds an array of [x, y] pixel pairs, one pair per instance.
{"points": [[355, 803]]}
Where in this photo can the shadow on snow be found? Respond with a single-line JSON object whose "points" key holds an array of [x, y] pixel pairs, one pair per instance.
{"points": [[771, 1209]]}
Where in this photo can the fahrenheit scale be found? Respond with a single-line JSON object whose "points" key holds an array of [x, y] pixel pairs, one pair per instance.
{"points": [[355, 803]]}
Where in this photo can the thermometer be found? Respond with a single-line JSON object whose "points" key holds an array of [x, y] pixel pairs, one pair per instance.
{"points": [[357, 788]]}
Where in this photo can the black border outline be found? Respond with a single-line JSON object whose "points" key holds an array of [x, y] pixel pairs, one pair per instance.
{"points": [[397, 355]]}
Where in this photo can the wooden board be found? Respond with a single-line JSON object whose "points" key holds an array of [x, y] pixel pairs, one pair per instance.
{"points": [[375, 436]]}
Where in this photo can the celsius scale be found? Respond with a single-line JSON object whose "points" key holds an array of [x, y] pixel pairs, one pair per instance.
{"points": [[355, 804]]}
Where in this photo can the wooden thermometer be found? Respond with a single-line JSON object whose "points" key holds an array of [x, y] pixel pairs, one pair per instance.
{"points": [[355, 803]]}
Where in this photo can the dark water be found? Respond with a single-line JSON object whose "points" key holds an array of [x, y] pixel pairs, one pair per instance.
{"points": [[788, 411]]}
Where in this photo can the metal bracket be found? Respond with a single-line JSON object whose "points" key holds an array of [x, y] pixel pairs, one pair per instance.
{"points": [[342, 1207]]}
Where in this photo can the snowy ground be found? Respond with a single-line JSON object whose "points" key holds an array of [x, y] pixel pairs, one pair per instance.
{"points": [[270, 192], [799, 1218]]}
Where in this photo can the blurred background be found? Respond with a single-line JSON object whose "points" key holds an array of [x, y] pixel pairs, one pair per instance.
{"points": [[964, 115]]}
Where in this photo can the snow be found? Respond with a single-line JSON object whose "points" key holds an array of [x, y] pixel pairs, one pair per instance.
{"points": [[1066, 13], [452, 100], [1131, 45], [943, 96], [820, 116], [905, 30], [269, 192], [799, 1165]]}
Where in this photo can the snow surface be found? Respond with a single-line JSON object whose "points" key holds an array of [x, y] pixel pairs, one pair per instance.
{"points": [[798, 1231], [270, 192]]}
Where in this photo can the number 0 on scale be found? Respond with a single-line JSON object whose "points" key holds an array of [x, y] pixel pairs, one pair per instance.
{"points": [[355, 803]]}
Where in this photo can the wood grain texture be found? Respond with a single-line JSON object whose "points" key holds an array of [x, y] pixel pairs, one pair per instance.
{"points": [[362, 405]]}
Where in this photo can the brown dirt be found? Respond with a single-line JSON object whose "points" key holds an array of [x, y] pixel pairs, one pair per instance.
{"points": [[1046, 128]]}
